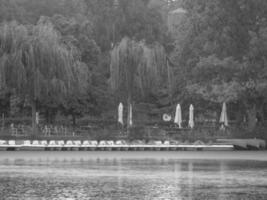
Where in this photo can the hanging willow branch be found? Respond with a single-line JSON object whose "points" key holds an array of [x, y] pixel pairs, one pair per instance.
{"points": [[34, 60], [136, 65], [37, 64]]}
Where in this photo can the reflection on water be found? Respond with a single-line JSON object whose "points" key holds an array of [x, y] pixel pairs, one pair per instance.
{"points": [[89, 175]]}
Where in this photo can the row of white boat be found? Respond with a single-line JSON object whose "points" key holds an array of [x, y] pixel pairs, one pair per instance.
{"points": [[107, 145]]}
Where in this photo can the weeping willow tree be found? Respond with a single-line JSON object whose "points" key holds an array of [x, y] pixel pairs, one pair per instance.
{"points": [[137, 69], [36, 64]]}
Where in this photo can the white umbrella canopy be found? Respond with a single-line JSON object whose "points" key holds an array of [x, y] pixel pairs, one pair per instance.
{"points": [[120, 113], [223, 118], [178, 116], [191, 117], [131, 115]]}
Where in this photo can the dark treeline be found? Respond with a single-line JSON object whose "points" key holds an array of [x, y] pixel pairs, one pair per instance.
{"points": [[82, 57]]}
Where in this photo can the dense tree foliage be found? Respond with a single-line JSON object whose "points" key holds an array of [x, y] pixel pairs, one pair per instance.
{"points": [[37, 65], [101, 52], [221, 50], [134, 19], [138, 71]]}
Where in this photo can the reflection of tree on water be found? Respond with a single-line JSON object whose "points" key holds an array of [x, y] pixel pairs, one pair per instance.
{"points": [[222, 184], [190, 180], [178, 178], [119, 173]]}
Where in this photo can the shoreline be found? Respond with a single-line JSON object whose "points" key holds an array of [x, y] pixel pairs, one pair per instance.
{"points": [[141, 155], [137, 145]]}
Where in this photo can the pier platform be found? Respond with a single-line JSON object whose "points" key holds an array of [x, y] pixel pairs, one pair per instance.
{"points": [[12, 145]]}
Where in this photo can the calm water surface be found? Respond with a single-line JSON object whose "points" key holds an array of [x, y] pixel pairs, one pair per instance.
{"points": [[133, 175]]}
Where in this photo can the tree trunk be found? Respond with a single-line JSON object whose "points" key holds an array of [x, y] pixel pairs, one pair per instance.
{"points": [[129, 101], [251, 116], [73, 120], [47, 116], [3, 121], [34, 129], [169, 83], [240, 117]]}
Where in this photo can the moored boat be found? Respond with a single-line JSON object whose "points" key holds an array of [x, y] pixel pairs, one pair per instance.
{"points": [[26, 146], [12, 146], [153, 145], [137, 145], [244, 144], [3, 145], [68, 146], [102, 144], [109, 145], [55, 145], [173, 145], [122, 145], [85, 145], [166, 145], [93, 145], [72, 145], [38, 145], [76, 145]]}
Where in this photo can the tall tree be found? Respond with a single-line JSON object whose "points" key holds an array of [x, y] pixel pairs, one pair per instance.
{"points": [[78, 31], [220, 50], [125, 18], [137, 70], [35, 62]]}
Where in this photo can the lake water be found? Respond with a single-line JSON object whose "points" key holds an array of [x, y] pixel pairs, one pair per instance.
{"points": [[133, 175]]}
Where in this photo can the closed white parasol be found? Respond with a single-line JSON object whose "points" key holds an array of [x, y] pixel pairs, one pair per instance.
{"points": [[178, 116], [120, 113], [223, 118], [191, 117], [131, 115]]}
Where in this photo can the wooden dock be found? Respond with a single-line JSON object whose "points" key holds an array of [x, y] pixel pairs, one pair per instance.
{"points": [[244, 144], [95, 146]]}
